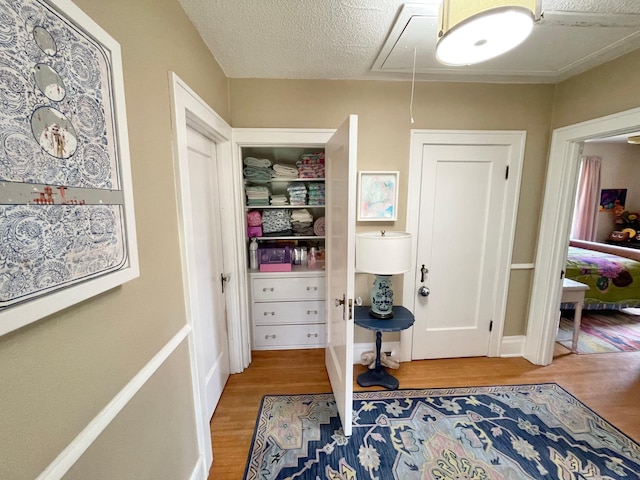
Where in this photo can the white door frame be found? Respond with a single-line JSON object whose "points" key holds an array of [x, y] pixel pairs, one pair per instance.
{"points": [[555, 225], [514, 139], [261, 137], [189, 110]]}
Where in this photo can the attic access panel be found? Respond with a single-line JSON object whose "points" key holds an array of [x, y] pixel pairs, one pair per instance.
{"points": [[586, 40]]}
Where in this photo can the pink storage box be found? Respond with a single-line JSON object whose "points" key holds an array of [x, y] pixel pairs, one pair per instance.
{"points": [[275, 267], [275, 256], [254, 232]]}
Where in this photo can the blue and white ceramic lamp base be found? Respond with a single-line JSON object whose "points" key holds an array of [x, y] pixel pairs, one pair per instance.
{"points": [[381, 297]]}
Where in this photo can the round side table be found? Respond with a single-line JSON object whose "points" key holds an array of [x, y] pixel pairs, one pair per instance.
{"points": [[402, 319]]}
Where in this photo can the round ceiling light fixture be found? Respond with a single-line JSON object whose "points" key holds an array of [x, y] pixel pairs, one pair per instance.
{"points": [[473, 32], [635, 140]]}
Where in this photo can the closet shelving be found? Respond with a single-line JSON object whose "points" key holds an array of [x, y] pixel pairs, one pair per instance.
{"points": [[278, 186], [287, 308]]}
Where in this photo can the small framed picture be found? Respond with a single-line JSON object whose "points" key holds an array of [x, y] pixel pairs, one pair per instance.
{"points": [[378, 196], [610, 198]]}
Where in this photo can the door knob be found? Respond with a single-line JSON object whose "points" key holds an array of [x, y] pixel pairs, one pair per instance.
{"points": [[424, 291]]}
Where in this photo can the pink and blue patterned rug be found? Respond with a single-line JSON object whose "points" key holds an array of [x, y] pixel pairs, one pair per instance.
{"points": [[479, 433], [601, 331]]}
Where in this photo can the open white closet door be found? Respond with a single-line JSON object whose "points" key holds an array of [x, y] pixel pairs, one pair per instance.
{"points": [[340, 211]]}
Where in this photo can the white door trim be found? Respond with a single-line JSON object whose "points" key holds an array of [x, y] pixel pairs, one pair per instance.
{"points": [[515, 139], [555, 224], [258, 137], [188, 109]]}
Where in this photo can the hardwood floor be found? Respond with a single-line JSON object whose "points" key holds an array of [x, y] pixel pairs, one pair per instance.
{"points": [[609, 383]]}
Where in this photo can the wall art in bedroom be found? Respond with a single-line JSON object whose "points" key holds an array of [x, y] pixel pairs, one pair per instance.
{"points": [[612, 198], [67, 228]]}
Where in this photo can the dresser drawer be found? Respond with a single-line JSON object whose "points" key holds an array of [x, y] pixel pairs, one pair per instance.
{"points": [[269, 313], [294, 288], [289, 336]]}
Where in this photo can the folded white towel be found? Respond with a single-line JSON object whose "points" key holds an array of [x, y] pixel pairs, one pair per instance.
{"points": [[285, 170], [302, 215], [257, 162]]}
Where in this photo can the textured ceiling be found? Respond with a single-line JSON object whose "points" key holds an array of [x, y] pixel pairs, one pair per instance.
{"points": [[363, 39]]}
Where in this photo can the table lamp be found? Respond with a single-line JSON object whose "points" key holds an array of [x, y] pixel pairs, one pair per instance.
{"points": [[383, 254]]}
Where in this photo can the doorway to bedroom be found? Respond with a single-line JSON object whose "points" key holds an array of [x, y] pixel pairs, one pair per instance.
{"points": [[553, 238], [605, 217]]}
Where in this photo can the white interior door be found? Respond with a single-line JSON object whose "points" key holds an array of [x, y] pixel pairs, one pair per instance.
{"points": [[461, 224], [341, 164], [205, 261]]}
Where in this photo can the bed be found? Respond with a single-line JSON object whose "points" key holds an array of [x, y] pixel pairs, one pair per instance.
{"points": [[611, 272]]}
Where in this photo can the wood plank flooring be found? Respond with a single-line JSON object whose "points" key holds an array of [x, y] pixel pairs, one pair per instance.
{"points": [[609, 383]]}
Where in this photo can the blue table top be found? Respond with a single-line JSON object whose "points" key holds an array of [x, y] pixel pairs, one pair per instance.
{"points": [[402, 319]]}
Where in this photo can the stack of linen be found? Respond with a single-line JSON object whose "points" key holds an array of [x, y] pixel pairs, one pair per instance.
{"points": [[279, 200], [297, 194], [284, 172], [276, 223], [316, 194], [311, 165], [257, 195], [302, 222], [257, 170]]}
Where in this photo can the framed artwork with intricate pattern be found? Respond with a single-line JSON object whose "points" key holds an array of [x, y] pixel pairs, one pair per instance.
{"points": [[67, 228]]}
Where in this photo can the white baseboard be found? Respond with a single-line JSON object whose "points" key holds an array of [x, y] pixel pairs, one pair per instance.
{"points": [[360, 348], [512, 346], [199, 471]]}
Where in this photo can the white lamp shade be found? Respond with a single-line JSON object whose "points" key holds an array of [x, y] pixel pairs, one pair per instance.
{"points": [[386, 254], [476, 31]]}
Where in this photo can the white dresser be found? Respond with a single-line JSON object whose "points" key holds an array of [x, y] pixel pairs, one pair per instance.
{"points": [[288, 309]]}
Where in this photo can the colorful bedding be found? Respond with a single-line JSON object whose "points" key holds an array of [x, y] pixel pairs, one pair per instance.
{"points": [[614, 281]]}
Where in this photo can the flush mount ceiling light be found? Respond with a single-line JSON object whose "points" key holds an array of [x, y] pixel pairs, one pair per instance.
{"points": [[635, 140], [473, 32]]}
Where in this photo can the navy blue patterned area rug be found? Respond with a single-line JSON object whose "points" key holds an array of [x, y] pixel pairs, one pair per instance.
{"points": [[478, 433]]}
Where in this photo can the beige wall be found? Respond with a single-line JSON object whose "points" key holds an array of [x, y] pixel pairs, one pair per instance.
{"points": [[57, 374], [146, 440], [384, 133], [383, 143], [607, 89]]}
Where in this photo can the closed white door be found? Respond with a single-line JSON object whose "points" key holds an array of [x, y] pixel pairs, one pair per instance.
{"points": [[341, 164], [205, 267], [461, 229]]}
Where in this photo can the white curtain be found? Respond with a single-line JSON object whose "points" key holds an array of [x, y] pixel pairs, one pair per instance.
{"points": [[587, 200]]}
